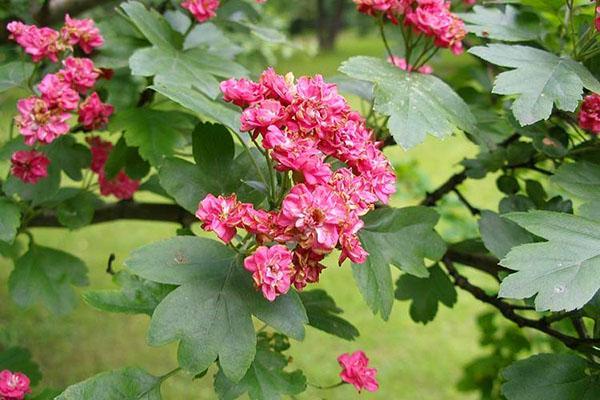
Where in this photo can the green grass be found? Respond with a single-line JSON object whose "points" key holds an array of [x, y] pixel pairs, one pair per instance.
{"points": [[414, 361]]}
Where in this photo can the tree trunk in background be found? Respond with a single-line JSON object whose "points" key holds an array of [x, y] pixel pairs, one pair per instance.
{"points": [[329, 22]]}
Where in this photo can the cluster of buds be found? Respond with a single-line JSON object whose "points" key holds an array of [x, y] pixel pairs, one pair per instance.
{"points": [[302, 126], [431, 18]]}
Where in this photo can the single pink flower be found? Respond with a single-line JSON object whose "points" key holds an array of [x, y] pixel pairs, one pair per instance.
{"points": [[589, 114], [80, 73], [355, 371], [307, 267], [100, 150], [57, 93], [29, 166], [82, 32], [37, 121], [13, 386], [39, 43], [271, 269], [276, 87], [261, 115], [403, 65], [202, 10], [93, 113], [221, 215], [121, 186], [241, 92]]}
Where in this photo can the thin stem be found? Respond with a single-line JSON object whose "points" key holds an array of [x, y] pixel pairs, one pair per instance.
{"points": [[433, 53], [340, 383], [247, 149], [384, 38], [572, 27], [463, 199]]}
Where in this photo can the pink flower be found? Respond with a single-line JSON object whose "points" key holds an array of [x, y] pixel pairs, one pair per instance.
{"points": [[37, 121], [257, 222], [392, 9], [57, 93], [262, 114], [203, 10], [29, 166], [589, 114], [93, 113], [100, 151], [401, 63], [271, 269], [597, 20], [356, 372], [121, 186], [470, 2], [433, 18], [241, 92], [313, 216], [277, 87], [80, 73], [352, 249], [82, 32], [307, 267], [39, 43], [13, 386], [221, 215]]}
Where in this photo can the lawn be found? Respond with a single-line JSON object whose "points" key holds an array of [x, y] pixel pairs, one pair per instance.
{"points": [[414, 361]]}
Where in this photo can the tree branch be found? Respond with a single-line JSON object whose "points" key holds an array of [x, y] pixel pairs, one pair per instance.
{"points": [[55, 10], [125, 210]]}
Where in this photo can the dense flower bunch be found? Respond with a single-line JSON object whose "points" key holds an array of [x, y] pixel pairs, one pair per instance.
{"points": [[30, 166], [204, 10], [302, 125], [589, 114], [355, 371], [403, 65], [13, 386], [121, 186], [432, 18]]}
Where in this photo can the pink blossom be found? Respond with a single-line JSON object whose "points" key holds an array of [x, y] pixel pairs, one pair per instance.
{"points": [[597, 20], [202, 10], [29, 166], [352, 249], [261, 115], [221, 215], [93, 113], [277, 87], [589, 114], [356, 372], [307, 267], [470, 2], [121, 186], [100, 150], [13, 386], [271, 269], [82, 32], [57, 93], [37, 121], [39, 43], [241, 92], [257, 222], [392, 9], [80, 73], [313, 216], [403, 65]]}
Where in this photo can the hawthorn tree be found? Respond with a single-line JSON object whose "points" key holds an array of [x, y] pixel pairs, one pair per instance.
{"points": [[173, 98]]}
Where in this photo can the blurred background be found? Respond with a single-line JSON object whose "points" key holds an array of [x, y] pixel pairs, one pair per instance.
{"points": [[441, 360]]}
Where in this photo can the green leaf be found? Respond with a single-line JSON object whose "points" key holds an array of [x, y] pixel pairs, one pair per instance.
{"points": [[266, 378], [581, 179], [213, 148], [156, 133], [492, 23], [10, 220], [38, 193], [564, 272], [417, 104], [323, 314], [539, 80], [500, 235], [45, 275], [152, 25], [14, 74], [211, 312], [551, 377], [77, 211], [426, 293], [18, 359], [69, 156], [136, 296], [122, 384], [402, 237]]}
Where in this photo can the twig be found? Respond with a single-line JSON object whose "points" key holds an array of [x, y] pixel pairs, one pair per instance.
{"points": [[109, 268], [472, 210]]}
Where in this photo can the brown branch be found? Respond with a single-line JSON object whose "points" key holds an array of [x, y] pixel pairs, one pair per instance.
{"points": [[507, 310], [124, 210], [481, 262], [432, 198], [55, 10], [463, 199]]}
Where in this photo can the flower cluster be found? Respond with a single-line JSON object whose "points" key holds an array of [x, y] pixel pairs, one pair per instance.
{"points": [[302, 126], [589, 114], [597, 19], [13, 386], [431, 18], [204, 10], [355, 371], [121, 186], [44, 117], [403, 65]]}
